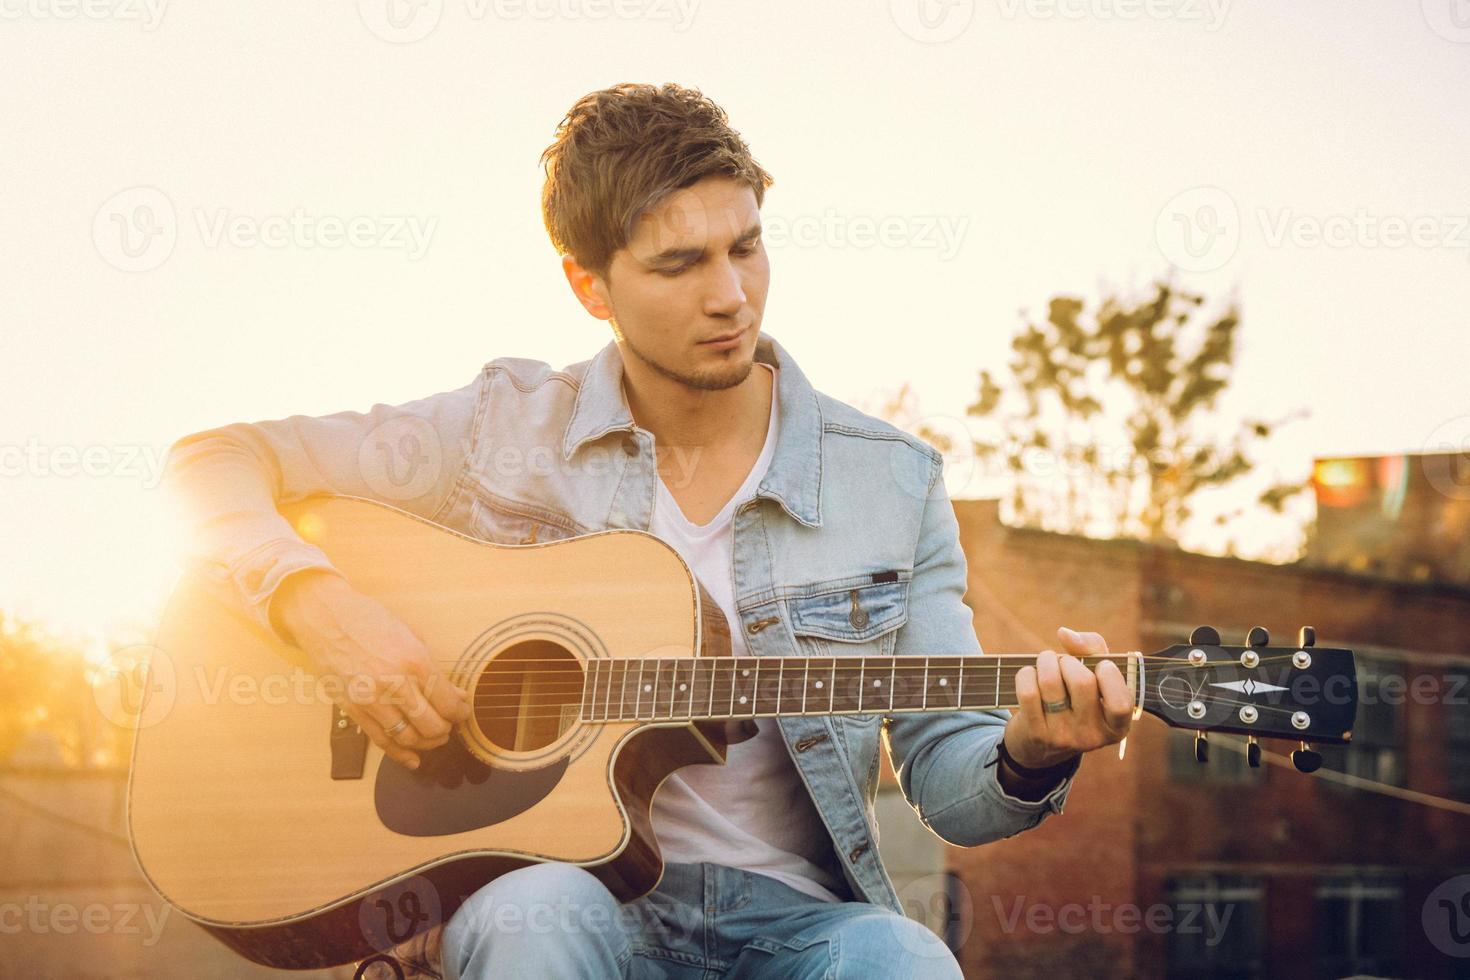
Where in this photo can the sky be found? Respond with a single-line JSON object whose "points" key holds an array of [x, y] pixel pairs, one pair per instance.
{"points": [[218, 213]]}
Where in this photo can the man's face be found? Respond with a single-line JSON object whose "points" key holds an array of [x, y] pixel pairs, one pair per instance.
{"points": [[694, 271]]}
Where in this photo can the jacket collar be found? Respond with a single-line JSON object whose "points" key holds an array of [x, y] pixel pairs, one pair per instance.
{"points": [[794, 479]]}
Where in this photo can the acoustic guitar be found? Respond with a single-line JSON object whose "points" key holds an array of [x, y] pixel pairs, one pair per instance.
{"points": [[597, 666]]}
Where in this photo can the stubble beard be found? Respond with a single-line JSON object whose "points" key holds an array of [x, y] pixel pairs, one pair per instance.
{"points": [[715, 379]]}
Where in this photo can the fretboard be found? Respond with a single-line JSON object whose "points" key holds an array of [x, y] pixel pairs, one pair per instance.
{"points": [[710, 688]]}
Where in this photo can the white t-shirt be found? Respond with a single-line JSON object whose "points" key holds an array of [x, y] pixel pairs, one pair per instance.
{"points": [[753, 812]]}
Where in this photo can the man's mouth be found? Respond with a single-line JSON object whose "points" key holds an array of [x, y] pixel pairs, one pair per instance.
{"points": [[725, 338]]}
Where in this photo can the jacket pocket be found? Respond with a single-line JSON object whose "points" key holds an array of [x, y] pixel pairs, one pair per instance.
{"points": [[509, 522], [852, 617]]}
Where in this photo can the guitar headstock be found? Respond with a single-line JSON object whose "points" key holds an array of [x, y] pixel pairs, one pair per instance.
{"points": [[1303, 692]]}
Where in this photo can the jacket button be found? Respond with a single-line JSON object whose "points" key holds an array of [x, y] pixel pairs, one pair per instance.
{"points": [[630, 446], [809, 741], [858, 617], [857, 852], [759, 625]]}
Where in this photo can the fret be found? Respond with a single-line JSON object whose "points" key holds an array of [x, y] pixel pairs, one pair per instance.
{"points": [[767, 685], [667, 670], [862, 687], [607, 694], [806, 671], [997, 683], [587, 682], [832, 687], [941, 682], [974, 673], [924, 688], [702, 686], [643, 688], [725, 682], [683, 689], [892, 686], [847, 684], [710, 711], [623, 668], [657, 678], [742, 690], [878, 684], [791, 684]]}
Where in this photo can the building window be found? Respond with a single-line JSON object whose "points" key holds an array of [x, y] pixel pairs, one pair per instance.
{"points": [[1359, 926], [1227, 760], [1217, 929], [1457, 734], [1377, 749]]}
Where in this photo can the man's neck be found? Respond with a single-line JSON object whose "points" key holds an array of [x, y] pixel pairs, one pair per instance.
{"points": [[728, 420]]}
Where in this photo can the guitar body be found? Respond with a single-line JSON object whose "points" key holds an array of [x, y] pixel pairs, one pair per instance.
{"points": [[234, 812]]}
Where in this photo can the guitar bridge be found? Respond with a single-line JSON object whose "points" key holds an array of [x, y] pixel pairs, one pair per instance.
{"points": [[349, 746]]}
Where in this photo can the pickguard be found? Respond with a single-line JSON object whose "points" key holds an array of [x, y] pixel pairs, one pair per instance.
{"points": [[452, 792]]}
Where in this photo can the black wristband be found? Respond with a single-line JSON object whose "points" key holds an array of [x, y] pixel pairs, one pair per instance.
{"points": [[1052, 773]]}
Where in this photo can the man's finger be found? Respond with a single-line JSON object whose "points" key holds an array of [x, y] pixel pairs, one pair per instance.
{"points": [[1081, 686], [450, 702], [1117, 698], [1082, 644], [380, 738], [1028, 696], [1049, 679]]}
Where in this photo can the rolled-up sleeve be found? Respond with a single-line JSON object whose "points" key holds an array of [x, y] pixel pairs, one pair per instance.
{"points": [[946, 762], [225, 484]]}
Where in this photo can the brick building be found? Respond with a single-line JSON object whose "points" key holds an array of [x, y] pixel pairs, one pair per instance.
{"points": [[1162, 866]]}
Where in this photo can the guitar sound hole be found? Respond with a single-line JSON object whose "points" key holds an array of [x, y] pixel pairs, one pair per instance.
{"points": [[528, 696]]}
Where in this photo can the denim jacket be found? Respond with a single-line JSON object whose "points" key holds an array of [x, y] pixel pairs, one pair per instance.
{"points": [[526, 453]]}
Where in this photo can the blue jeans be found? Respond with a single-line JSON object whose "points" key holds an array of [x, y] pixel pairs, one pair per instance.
{"points": [[702, 921]]}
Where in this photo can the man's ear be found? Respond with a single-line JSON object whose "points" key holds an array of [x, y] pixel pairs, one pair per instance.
{"points": [[589, 288]]}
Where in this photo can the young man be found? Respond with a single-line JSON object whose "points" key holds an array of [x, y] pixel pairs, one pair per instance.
{"points": [[817, 530]]}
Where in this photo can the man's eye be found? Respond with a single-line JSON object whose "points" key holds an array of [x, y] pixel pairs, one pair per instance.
{"points": [[671, 273]]}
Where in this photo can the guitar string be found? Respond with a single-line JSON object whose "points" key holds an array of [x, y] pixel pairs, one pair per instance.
{"points": [[1008, 701], [513, 678], [979, 659]]}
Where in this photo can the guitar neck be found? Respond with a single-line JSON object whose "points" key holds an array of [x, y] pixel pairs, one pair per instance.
{"points": [[718, 688]]}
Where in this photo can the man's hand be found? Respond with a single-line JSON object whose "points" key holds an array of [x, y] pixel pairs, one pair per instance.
{"points": [[1098, 705], [384, 670]]}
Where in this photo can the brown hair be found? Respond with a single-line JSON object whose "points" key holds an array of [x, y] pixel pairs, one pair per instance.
{"points": [[621, 150]]}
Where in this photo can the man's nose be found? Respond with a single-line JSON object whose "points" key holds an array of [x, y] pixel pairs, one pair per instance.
{"points": [[726, 290]]}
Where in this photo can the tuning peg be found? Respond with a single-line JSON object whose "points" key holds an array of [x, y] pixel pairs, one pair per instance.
{"points": [[1201, 748], [1205, 636], [1306, 759], [1306, 637], [1252, 752], [1258, 637]]}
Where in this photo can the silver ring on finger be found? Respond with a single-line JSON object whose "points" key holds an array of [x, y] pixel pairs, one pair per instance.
{"points": [[1056, 707], [393, 732]]}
